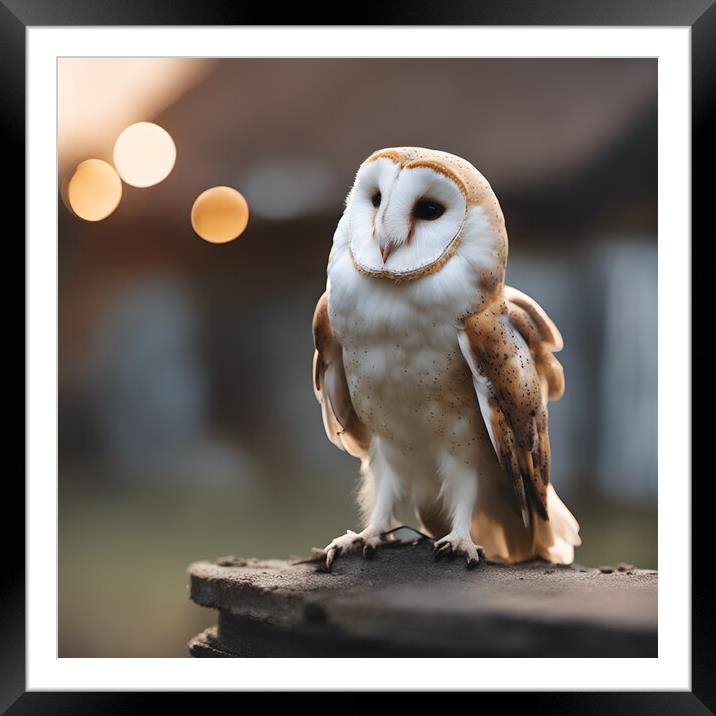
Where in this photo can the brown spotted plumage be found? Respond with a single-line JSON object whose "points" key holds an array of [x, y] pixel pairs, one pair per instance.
{"points": [[512, 343]]}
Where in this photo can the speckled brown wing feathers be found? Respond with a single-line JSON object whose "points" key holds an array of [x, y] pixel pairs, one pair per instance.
{"points": [[542, 336], [342, 425], [509, 349]]}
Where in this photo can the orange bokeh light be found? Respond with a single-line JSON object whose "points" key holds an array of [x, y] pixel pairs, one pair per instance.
{"points": [[94, 190], [220, 214]]}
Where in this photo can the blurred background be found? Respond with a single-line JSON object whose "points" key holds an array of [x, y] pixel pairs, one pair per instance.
{"points": [[187, 423]]}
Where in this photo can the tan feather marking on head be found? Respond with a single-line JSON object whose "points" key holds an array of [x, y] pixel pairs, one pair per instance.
{"points": [[385, 154], [440, 169]]}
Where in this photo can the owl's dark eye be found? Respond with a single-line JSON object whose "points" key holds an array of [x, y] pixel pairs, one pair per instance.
{"points": [[375, 199], [428, 210]]}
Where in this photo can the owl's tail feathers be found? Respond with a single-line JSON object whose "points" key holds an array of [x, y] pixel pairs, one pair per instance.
{"points": [[555, 540], [499, 529]]}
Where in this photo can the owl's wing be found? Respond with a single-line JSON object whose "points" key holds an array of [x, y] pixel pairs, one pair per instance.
{"points": [[509, 350], [543, 339], [343, 427]]}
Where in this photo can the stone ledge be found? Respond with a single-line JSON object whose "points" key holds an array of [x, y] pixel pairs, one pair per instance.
{"points": [[404, 603]]}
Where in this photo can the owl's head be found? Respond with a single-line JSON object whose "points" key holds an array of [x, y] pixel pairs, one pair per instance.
{"points": [[410, 209]]}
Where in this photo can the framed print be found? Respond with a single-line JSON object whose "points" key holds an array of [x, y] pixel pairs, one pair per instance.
{"points": [[270, 306]]}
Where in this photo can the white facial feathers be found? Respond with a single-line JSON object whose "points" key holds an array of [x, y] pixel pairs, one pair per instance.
{"points": [[382, 212], [436, 274]]}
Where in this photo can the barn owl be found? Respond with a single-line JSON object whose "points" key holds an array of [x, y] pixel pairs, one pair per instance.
{"points": [[434, 373]]}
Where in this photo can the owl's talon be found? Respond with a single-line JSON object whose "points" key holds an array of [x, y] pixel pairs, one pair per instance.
{"points": [[331, 554], [455, 544], [367, 541]]}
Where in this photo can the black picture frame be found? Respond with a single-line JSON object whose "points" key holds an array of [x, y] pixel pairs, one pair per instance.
{"points": [[699, 15]]}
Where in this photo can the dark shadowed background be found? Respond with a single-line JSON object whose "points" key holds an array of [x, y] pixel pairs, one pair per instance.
{"points": [[188, 426]]}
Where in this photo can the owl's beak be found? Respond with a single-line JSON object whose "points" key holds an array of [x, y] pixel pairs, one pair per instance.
{"points": [[387, 250]]}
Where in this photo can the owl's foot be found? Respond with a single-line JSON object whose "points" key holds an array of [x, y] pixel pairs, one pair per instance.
{"points": [[368, 540], [455, 544]]}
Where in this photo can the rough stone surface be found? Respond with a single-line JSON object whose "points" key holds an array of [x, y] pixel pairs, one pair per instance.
{"points": [[404, 603]]}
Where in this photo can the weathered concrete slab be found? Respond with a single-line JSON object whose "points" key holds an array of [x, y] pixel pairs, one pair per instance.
{"points": [[402, 602]]}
